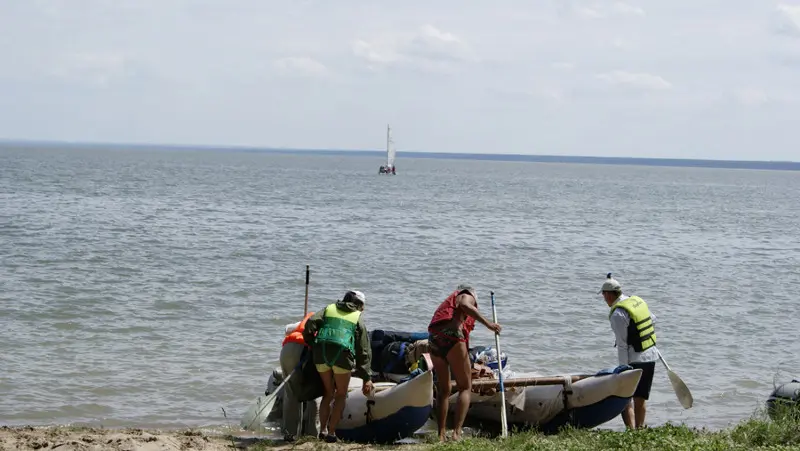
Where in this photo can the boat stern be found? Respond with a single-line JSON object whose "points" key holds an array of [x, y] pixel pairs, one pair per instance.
{"points": [[394, 413]]}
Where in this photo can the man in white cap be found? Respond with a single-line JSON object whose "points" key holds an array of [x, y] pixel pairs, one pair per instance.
{"points": [[634, 330]]}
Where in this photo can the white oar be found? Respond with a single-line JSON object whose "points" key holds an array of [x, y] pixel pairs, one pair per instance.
{"points": [[503, 421], [680, 389], [265, 407]]}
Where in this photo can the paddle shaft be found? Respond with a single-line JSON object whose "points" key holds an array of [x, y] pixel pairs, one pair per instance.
{"points": [[503, 420], [660, 357], [301, 426], [528, 381], [305, 308]]}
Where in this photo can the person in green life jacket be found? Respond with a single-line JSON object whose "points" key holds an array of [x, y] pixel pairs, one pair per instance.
{"points": [[340, 346], [634, 330]]}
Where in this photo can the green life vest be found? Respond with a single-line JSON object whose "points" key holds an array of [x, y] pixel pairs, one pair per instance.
{"points": [[641, 330], [338, 329]]}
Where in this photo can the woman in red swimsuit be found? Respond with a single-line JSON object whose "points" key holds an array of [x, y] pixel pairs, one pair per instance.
{"points": [[448, 342]]}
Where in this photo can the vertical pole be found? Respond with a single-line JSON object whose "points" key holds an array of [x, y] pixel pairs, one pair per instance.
{"points": [[305, 309], [503, 420]]}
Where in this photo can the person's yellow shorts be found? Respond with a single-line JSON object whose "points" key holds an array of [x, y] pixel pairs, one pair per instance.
{"points": [[321, 368]]}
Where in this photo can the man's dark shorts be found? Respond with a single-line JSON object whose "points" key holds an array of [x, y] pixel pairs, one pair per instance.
{"points": [[646, 381]]}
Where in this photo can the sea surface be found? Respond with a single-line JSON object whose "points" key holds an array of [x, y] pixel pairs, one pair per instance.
{"points": [[151, 288]]}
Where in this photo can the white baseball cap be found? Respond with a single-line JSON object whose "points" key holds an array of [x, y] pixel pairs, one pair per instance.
{"points": [[355, 295], [610, 284]]}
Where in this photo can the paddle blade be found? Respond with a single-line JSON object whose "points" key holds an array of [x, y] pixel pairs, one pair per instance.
{"points": [[257, 414], [681, 390]]}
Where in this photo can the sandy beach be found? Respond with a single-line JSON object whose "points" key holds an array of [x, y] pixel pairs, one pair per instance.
{"points": [[90, 439]]}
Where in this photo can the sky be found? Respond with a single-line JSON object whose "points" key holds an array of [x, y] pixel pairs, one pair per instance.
{"points": [[637, 78]]}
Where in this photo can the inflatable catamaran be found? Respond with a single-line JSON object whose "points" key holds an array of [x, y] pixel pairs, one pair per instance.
{"points": [[405, 393]]}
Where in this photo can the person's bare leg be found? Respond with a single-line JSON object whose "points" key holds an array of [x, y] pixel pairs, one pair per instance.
{"points": [[627, 415], [640, 410], [442, 393], [458, 358], [327, 397], [339, 400]]}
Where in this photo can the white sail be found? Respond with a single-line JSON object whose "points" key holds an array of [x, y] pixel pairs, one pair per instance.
{"points": [[389, 148]]}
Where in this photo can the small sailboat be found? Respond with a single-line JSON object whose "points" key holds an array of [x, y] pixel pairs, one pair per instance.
{"points": [[390, 153]]}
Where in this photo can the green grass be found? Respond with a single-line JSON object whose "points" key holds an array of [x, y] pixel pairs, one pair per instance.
{"points": [[758, 433]]}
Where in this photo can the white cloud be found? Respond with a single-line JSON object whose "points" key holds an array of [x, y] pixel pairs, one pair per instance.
{"points": [[589, 12], [97, 69], [622, 44], [788, 19], [428, 47], [49, 7], [635, 79], [602, 9], [751, 96], [563, 65], [553, 94], [627, 9], [300, 65]]}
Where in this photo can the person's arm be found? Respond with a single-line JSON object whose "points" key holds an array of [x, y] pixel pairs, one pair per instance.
{"points": [[619, 324], [363, 352], [467, 304], [312, 326]]}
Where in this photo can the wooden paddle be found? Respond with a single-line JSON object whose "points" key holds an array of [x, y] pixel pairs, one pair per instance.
{"points": [[528, 381]]}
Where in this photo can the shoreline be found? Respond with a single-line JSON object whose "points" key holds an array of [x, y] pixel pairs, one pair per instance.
{"points": [[87, 438], [758, 432]]}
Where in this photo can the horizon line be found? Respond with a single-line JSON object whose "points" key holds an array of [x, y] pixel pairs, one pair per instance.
{"points": [[537, 158]]}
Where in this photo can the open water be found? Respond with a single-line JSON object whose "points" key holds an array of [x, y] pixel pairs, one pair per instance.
{"points": [[150, 288]]}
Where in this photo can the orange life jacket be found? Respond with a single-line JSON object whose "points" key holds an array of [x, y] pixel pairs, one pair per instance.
{"points": [[297, 334]]}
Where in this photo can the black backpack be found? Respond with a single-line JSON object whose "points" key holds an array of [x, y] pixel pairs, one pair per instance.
{"points": [[393, 358]]}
